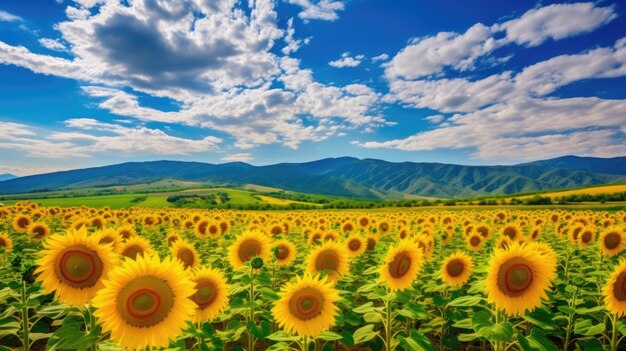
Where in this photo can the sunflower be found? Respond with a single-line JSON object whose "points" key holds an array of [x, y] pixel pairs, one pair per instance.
{"points": [[586, 236], [248, 245], [355, 245], [211, 293], [518, 277], [474, 241], [615, 290], [456, 269], [172, 238], [402, 265], [512, 231], [21, 223], [612, 241], [126, 232], [372, 241], [284, 252], [74, 266], [331, 257], [145, 302], [307, 306], [38, 231], [109, 236], [6, 243], [136, 246], [185, 253]]}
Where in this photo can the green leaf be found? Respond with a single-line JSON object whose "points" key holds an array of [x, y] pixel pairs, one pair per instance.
{"points": [[541, 318], [283, 336], [415, 342], [330, 336], [373, 317], [261, 331], [364, 334], [482, 324], [465, 301], [585, 327]]}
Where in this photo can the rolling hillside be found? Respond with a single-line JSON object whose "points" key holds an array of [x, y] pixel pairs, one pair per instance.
{"points": [[345, 176]]}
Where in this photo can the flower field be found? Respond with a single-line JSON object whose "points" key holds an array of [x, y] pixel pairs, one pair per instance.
{"points": [[183, 279]]}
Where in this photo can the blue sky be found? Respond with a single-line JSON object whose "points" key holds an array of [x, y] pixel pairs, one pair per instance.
{"points": [[88, 82]]}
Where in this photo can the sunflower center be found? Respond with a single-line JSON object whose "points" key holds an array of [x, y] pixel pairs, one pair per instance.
{"points": [[475, 241], [249, 249], [400, 265], [186, 256], [145, 301], [23, 222], [132, 251], [79, 267], [3, 242], [586, 237], [283, 252], [510, 232], [206, 293], [515, 277], [455, 267], [202, 227], [39, 231], [354, 244], [125, 234], [106, 240], [619, 287], [306, 303], [327, 260], [213, 229], [612, 240], [482, 231]]}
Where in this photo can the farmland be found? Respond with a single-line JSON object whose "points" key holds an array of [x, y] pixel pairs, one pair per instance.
{"points": [[395, 279]]}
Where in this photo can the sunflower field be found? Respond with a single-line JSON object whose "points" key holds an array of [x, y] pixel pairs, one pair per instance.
{"points": [[432, 279]]}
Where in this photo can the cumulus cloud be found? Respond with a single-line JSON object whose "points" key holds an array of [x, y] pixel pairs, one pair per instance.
{"points": [[556, 22], [381, 57], [347, 61], [242, 157], [213, 59], [431, 55], [326, 10], [52, 44]]}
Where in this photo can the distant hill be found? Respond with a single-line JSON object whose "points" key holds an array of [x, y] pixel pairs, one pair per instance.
{"points": [[344, 176], [7, 176], [615, 165]]}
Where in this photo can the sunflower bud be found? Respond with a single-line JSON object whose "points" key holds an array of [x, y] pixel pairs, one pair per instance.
{"points": [[257, 263]]}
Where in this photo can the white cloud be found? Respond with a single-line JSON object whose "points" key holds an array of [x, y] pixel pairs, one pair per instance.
{"points": [[9, 17], [429, 56], [88, 137], [347, 61], [435, 119], [52, 44], [325, 10], [243, 157], [293, 44], [381, 57], [557, 21]]}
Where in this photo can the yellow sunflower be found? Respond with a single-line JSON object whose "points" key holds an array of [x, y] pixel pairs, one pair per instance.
{"points": [[402, 265], [38, 231], [307, 306], [109, 236], [355, 245], [329, 257], [248, 245], [284, 252], [136, 246], [612, 241], [518, 277], [372, 241], [211, 293], [74, 266], [586, 236], [615, 290], [6, 243], [512, 231], [185, 253], [126, 232], [456, 269], [145, 302], [21, 223]]}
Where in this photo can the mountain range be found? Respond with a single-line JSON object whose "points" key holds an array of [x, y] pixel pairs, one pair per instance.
{"points": [[7, 176], [347, 176]]}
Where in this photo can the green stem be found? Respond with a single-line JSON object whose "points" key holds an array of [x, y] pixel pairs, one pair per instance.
{"points": [[25, 324], [388, 332], [570, 318], [199, 339], [305, 343], [614, 333], [250, 336]]}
